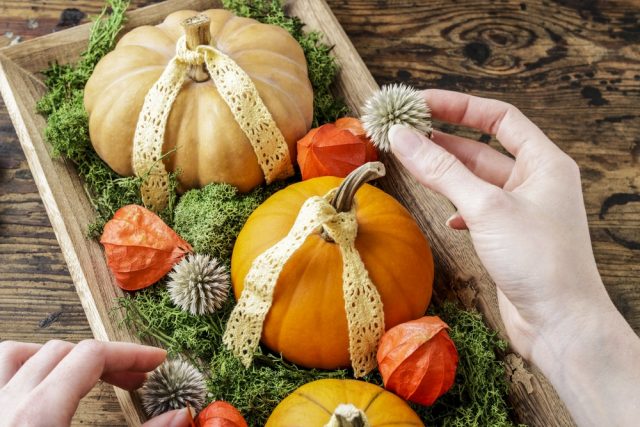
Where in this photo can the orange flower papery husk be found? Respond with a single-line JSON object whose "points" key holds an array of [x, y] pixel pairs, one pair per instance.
{"points": [[418, 360], [140, 247], [220, 414], [335, 149]]}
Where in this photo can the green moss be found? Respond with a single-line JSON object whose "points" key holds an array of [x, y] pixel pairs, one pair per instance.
{"points": [[258, 390], [211, 218], [155, 316], [322, 65]]}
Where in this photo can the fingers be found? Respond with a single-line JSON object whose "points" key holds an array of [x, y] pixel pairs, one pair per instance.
{"points": [[90, 360], [126, 380], [177, 418], [436, 168], [12, 356], [479, 158], [39, 366], [512, 128]]}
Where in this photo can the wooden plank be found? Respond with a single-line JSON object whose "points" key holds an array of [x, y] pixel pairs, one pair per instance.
{"points": [[69, 211], [460, 270]]}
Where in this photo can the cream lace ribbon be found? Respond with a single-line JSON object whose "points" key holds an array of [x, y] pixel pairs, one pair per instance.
{"points": [[362, 302], [240, 94]]}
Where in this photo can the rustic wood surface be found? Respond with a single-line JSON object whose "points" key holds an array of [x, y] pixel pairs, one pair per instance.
{"points": [[573, 67]]}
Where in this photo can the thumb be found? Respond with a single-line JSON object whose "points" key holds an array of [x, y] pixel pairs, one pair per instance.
{"points": [[437, 169], [177, 418]]}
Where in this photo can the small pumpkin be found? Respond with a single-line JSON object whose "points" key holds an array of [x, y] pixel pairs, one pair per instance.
{"points": [[202, 138], [342, 403], [220, 414], [307, 321]]}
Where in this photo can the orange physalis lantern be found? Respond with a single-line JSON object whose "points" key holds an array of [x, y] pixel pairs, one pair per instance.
{"points": [[418, 360], [335, 149], [140, 247]]}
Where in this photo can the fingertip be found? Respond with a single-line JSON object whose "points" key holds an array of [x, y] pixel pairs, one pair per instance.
{"points": [[176, 418], [405, 141]]}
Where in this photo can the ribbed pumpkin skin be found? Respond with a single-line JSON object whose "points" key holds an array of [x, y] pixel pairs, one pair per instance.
{"points": [[211, 147], [307, 321], [312, 405]]}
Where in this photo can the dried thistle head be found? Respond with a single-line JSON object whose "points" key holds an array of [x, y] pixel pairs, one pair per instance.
{"points": [[173, 385], [199, 284], [393, 105]]}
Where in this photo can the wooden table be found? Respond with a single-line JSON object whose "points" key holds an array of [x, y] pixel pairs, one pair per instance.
{"points": [[572, 66]]}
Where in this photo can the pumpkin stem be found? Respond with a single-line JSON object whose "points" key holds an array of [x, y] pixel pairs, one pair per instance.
{"points": [[198, 33], [347, 415], [343, 200]]}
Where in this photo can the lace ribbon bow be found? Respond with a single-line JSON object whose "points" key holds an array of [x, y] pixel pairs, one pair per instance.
{"points": [[363, 305], [239, 93]]}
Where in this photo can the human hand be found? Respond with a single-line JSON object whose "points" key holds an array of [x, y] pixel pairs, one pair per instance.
{"points": [[529, 227], [526, 216], [41, 385]]}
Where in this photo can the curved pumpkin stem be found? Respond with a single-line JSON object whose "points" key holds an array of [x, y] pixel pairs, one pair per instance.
{"points": [[197, 30], [343, 199], [347, 415]]}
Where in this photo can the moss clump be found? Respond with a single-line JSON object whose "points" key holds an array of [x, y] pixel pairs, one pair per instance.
{"points": [[211, 218], [322, 66], [256, 391], [155, 316]]}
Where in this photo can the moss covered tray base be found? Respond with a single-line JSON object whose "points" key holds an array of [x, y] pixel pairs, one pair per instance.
{"points": [[459, 273]]}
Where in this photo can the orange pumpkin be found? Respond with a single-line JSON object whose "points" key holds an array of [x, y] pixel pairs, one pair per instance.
{"points": [[204, 141], [327, 402], [307, 320]]}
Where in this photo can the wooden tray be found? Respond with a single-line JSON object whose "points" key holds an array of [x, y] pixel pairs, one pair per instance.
{"points": [[459, 272]]}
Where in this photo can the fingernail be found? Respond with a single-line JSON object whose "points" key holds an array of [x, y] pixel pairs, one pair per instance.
{"points": [[456, 222], [181, 418], [405, 141], [451, 218], [192, 411]]}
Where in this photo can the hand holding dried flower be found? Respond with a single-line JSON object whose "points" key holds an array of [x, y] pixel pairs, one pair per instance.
{"points": [[41, 385], [527, 220]]}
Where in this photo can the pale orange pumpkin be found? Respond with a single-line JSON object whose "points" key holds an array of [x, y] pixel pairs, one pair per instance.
{"points": [[314, 404], [209, 145], [307, 320]]}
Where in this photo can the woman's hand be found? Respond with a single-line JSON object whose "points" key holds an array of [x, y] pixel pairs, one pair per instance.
{"points": [[528, 225], [41, 385]]}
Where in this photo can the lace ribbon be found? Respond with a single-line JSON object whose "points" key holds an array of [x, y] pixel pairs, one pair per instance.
{"points": [[363, 305], [239, 93]]}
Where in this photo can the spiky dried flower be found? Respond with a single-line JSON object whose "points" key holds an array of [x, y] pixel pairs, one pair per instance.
{"points": [[173, 385], [392, 105], [199, 284]]}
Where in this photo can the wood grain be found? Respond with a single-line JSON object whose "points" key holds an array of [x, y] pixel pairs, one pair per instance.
{"points": [[573, 67]]}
